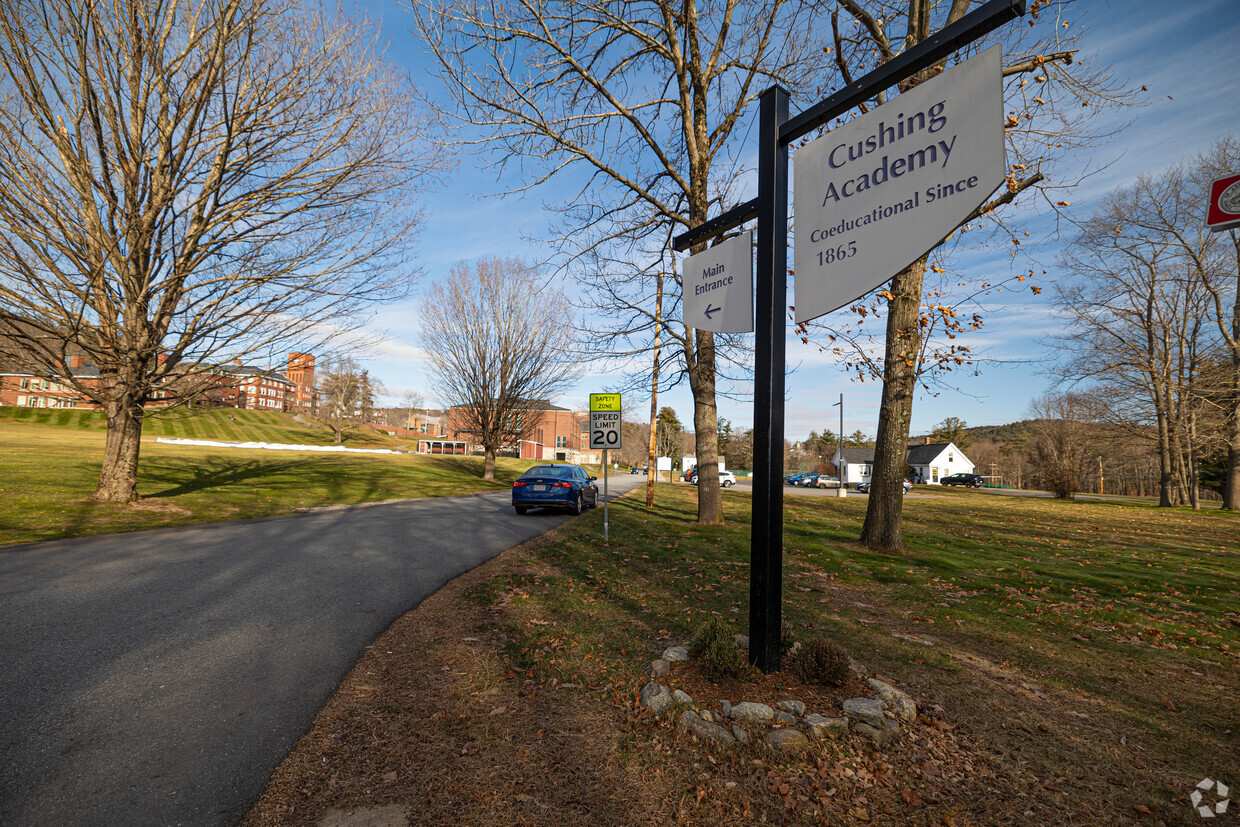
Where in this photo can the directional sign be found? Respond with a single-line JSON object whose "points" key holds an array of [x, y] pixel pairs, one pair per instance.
{"points": [[875, 194], [718, 287]]}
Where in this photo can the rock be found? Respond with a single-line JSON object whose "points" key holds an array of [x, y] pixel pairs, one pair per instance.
{"points": [[727, 707], [391, 815], [782, 717], [707, 716], [705, 730], [795, 707], [866, 710], [655, 697], [786, 740], [880, 735], [658, 668], [900, 705], [858, 667], [742, 641], [742, 734], [681, 697], [675, 653], [821, 726], [752, 713]]}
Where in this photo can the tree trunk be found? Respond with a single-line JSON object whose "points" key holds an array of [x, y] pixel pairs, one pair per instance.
{"points": [[118, 479], [652, 461], [882, 528], [1231, 485], [706, 424], [488, 464]]}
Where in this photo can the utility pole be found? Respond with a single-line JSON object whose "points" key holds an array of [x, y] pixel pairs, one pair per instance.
{"points": [[842, 491]]}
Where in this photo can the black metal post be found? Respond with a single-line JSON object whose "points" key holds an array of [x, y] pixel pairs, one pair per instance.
{"points": [[766, 555], [776, 132]]}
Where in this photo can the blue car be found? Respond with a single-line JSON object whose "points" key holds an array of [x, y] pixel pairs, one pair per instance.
{"points": [[566, 487]]}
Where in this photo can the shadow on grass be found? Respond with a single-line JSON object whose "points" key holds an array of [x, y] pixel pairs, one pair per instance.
{"points": [[309, 476]]}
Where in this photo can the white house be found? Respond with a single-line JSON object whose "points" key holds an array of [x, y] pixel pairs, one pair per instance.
{"points": [[930, 463]]}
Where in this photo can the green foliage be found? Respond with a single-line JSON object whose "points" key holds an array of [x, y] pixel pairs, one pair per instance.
{"points": [[952, 429], [822, 661], [714, 648]]}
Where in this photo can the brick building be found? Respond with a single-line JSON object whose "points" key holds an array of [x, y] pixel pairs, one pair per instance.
{"points": [[301, 373], [27, 390], [253, 389], [542, 431]]}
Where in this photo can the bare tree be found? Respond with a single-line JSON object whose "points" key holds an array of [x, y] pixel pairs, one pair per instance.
{"points": [[642, 106], [1214, 258], [182, 183], [1138, 319], [1051, 102], [500, 342], [1061, 446], [342, 389]]}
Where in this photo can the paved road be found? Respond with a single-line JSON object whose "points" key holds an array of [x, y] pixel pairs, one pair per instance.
{"points": [[158, 678]]}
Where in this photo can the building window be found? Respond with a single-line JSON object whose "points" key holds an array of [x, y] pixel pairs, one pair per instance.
{"points": [[867, 470], [25, 384], [934, 475], [561, 442]]}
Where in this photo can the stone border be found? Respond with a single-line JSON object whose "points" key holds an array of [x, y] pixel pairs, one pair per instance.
{"points": [[787, 726]]}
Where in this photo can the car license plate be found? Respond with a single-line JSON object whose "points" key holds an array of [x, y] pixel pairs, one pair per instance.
{"points": [[540, 487]]}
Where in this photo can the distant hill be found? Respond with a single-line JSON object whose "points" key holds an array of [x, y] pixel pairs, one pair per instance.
{"points": [[1013, 433]]}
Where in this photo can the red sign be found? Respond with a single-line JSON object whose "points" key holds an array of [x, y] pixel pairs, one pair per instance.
{"points": [[1224, 210]]}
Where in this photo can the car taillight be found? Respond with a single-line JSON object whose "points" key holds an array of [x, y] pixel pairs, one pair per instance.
{"points": [[562, 485], [519, 484]]}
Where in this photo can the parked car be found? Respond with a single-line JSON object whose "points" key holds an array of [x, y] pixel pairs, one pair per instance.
{"points": [[689, 476], [726, 478], [639, 469], [806, 480], [967, 480], [826, 481], [864, 487], [795, 479], [566, 487]]}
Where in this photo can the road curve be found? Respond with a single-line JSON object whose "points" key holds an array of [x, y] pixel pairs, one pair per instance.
{"points": [[159, 677]]}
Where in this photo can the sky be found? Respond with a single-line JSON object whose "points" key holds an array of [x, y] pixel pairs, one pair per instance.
{"points": [[1185, 53]]}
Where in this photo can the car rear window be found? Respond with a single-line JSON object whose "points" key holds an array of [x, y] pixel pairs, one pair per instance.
{"points": [[550, 471]]}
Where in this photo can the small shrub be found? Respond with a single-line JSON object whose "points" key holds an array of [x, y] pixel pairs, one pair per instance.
{"points": [[715, 650], [822, 661]]}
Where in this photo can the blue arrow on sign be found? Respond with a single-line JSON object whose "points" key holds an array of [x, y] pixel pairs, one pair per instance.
{"points": [[709, 311]]}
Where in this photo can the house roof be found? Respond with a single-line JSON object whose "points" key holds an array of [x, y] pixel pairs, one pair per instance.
{"points": [[858, 455], [918, 454]]}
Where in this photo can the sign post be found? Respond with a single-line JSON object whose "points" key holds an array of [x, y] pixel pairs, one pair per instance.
{"points": [[606, 432], [776, 133]]}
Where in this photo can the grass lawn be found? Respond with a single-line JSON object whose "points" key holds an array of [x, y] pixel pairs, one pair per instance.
{"points": [[1077, 663], [50, 460]]}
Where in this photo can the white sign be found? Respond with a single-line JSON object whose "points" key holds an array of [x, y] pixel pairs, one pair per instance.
{"points": [[718, 287], [605, 429], [875, 194]]}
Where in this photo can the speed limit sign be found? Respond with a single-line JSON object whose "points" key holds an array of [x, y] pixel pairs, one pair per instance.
{"points": [[605, 431]]}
